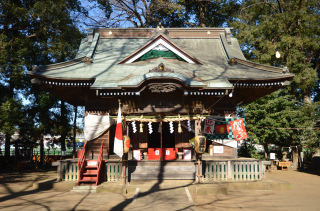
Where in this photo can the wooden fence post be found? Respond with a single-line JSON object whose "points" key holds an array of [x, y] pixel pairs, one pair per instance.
{"points": [[229, 170]]}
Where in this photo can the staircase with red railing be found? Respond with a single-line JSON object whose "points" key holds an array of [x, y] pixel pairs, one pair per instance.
{"points": [[90, 170]]}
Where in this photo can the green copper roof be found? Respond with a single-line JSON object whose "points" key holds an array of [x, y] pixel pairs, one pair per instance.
{"points": [[214, 72]]}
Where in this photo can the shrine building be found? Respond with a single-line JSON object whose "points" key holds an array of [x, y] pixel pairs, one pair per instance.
{"points": [[169, 81]]}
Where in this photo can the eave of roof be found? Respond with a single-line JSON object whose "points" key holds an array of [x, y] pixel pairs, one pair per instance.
{"points": [[106, 59]]}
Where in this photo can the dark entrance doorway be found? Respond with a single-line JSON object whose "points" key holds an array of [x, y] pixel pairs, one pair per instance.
{"points": [[168, 139]]}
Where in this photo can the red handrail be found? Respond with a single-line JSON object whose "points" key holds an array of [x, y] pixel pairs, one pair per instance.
{"points": [[99, 164], [81, 161]]}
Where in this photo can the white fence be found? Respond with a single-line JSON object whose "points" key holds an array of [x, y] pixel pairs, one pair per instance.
{"points": [[244, 170]]}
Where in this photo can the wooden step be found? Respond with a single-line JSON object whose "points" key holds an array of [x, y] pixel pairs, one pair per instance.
{"points": [[90, 167], [88, 179], [89, 174], [91, 171]]}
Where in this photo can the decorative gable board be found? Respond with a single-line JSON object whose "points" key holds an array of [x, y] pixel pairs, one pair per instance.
{"points": [[159, 40]]}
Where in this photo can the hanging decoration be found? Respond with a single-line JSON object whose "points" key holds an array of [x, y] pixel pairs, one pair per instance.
{"points": [[238, 129], [150, 127], [159, 129], [189, 125], [200, 144], [126, 143], [141, 127], [171, 127], [134, 128], [179, 128], [209, 126]]}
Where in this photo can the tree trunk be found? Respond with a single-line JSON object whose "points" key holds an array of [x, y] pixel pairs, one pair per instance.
{"points": [[74, 132], [202, 13], [295, 156], [41, 150], [266, 150], [63, 124], [7, 150]]}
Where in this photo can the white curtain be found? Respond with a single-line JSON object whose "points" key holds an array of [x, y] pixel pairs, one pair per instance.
{"points": [[96, 125]]}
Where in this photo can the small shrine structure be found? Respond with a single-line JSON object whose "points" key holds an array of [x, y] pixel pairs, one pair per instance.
{"points": [[160, 75]]}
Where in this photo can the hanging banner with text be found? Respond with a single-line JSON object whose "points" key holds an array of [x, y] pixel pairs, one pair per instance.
{"points": [[238, 129], [209, 126]]}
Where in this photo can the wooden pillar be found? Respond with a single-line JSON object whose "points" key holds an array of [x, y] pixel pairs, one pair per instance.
{"points": [[199, 168], [161, 158], [124, 162], [196, 128], [74, 132]]}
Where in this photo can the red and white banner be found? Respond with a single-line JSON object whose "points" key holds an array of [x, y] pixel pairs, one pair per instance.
{"points": [[209, 126], [118, 139], [238, 129]]}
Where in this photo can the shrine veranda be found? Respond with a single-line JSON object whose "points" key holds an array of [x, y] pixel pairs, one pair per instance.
{"points": [[185, 75]]}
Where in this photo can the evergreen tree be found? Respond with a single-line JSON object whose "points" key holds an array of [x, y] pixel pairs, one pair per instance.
{"points": [[33, 33], [293, 28]]}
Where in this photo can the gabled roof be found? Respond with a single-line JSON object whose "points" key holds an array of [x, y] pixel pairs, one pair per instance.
{"points": [[109, 59], [160, 39]]}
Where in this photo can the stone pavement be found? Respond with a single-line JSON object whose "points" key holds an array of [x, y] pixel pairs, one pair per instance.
{"points": [[166, 195], [304, 195]]}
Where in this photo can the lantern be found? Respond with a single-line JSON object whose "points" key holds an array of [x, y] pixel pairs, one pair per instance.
{"points": [[200, 144], [126, 143]]}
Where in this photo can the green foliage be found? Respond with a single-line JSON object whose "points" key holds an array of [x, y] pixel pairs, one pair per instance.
{"points": [[33, 33], [266, 115], [11, 116], [248, 150], [294, 25]]}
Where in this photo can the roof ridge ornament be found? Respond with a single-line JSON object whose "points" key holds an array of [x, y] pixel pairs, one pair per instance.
{"points": [[160, 29], [161, 68]]}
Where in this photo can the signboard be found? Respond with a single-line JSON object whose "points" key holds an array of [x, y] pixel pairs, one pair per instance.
{"points": [[157, 152], [136, 155], [238, 129], [209, 126], [282, 164], [167, 152], [222, 129], [217, 149], [187, 154], [272, 156]]}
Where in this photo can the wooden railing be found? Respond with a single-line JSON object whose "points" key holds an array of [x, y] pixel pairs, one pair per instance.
{"points": [[114, 171], [67, 170], [99, 164], [81, 162], [244, 170]]}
